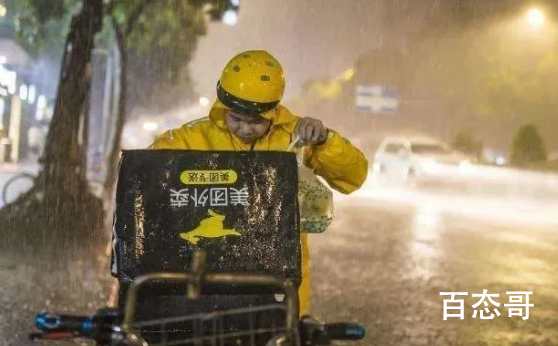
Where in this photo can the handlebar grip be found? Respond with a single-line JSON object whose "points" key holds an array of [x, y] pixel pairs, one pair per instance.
{"points": [[344, 331], [49, 323]]}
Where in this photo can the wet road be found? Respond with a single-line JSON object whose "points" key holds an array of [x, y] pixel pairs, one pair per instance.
{"points": [[384, 262], [390, 253]]}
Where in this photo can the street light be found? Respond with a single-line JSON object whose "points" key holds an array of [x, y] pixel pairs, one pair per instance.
{"points": [[150, 126], [230, 17], [535, 17]]}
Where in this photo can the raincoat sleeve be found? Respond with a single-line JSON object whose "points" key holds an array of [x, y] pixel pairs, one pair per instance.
{"points": [[341, 164], [172, 139]]}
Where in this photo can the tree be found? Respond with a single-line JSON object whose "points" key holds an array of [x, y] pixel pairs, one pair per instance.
{"points": [[61, 192], [60, 206], [41, 25], [527, 147], [492, 78], [124, 17], [465, 142], [156, 41], [160, 48]]}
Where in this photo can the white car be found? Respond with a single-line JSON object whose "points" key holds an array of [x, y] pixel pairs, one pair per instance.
{"points": [[418, 160]]}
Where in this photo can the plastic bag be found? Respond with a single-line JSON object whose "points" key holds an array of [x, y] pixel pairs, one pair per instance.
{"points": [[315, 198]]}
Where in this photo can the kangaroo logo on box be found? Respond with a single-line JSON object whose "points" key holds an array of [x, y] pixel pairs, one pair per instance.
{"points": [[212, 227]]}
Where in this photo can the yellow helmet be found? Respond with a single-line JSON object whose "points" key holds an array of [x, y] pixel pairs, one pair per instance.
{"points": [[251, 83]]}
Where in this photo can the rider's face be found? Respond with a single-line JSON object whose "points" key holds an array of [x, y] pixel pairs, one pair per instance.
{"points": [[247, 128]]}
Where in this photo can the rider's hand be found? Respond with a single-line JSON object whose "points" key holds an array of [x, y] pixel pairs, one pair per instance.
{"points": [[311, 131]]}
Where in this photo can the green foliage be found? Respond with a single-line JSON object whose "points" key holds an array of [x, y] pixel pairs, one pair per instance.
{"points": [[465, 141], [508, 90], [161, 41], [41, 26], [160, 46], [122, 9], [497, 73], [527, 147]]}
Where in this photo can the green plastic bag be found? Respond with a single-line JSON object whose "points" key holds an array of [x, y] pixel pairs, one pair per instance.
{"points": [[315, 198]]}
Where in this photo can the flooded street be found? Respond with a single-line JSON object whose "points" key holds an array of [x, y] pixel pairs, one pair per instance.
{"points": [[384, 262], [30, 285], [390, 253]]}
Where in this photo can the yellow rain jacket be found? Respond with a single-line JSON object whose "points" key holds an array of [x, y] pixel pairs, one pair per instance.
{"points": [[341, 164]]}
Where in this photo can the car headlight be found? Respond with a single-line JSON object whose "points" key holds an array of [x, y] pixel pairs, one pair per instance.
{"points": [[465, 166], [430, 166], [500, 160]]}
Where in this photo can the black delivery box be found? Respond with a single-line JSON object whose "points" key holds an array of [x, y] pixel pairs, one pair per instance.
{"points": [[241, 208]]}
